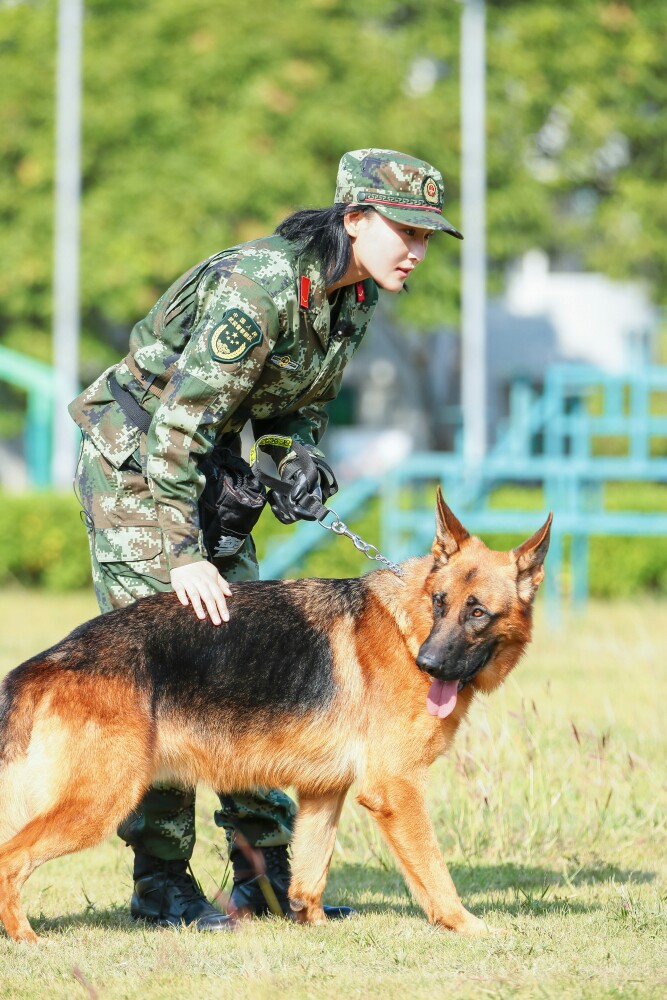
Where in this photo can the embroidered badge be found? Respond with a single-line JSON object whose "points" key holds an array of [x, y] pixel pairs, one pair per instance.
{"points": [[235, 337], [284, 361], [430, 191]]}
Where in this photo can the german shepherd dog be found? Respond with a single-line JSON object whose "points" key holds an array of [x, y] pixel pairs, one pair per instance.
{"points": [[312, 683]]}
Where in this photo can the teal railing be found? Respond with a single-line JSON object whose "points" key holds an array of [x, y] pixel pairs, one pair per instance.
{"points": [[37, 380], [558, 441]]}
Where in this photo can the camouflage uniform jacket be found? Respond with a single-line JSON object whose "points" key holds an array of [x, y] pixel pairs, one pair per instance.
{"points": [[245, 335]]}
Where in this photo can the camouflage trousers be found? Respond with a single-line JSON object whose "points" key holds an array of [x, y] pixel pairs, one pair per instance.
{"points": [[128, 562]]}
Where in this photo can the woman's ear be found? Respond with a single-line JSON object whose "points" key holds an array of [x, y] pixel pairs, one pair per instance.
{"points": [[351, 223]]}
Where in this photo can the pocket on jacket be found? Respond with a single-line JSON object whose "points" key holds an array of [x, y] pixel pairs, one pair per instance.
{"points": [[130, 543], [99, 416], [113, 497]]}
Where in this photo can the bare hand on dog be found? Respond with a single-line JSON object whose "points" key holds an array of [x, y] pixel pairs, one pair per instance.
{"points": [[200, 585]]}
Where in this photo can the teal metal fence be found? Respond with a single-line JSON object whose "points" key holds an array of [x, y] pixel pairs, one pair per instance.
{"points": [[37, 380], [585, 430]]}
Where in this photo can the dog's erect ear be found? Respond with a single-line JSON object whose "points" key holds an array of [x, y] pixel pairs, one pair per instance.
{"points": [[529, 558], [449, 532]]}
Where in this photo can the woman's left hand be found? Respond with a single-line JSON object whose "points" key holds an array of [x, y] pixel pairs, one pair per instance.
{"points": [[200, 585]]}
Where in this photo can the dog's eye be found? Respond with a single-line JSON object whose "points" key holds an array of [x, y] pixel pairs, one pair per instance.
{"points": [[438, 601], [478, 613]]}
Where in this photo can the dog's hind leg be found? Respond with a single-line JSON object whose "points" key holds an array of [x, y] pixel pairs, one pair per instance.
{"points": [[397, 805], [76, 821], [312, 846], [71, 825], [78, 784], [12, 876]]}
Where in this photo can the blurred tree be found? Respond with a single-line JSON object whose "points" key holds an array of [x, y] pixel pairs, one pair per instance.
{"points": [[206, 123], [578, 134]]}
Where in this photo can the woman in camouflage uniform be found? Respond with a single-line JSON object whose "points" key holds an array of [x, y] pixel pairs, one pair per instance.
{"points": [[260, 332]]}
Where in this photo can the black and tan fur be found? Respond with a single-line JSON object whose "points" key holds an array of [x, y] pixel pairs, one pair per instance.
{"points": [[313, 683]]}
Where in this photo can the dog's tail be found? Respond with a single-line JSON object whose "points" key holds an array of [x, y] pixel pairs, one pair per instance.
{"points": [[16, 712], [20, 700], [76, 756], [16, 722], [69, 734]]}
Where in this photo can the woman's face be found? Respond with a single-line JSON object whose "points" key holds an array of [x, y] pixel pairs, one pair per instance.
{"points": [[385, 250]]}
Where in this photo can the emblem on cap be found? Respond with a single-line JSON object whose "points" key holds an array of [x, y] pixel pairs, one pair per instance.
{"points": [[430, 191]]}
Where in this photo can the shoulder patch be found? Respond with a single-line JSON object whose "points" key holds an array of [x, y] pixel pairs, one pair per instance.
{"points": [[235, 337]]}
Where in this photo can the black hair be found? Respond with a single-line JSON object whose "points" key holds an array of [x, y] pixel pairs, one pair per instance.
{"points": [[321, 231]]}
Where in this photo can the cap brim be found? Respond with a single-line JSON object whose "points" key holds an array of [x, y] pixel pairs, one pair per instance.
{"points": [[423, 218]]}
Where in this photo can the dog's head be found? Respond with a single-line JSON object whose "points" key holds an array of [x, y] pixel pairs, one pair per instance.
{"points": [[481, 609]]}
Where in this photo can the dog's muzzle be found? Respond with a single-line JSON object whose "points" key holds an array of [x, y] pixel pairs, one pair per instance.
{"points": [[463, 672], [430, 664]]}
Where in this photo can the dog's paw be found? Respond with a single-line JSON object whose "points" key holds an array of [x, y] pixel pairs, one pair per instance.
{"points": [[307, 912], [497, 932], [26, 934], [469, 925], [473, 927], [479, 928]]}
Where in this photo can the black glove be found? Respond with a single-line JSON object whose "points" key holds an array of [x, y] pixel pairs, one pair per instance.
{"points": [[230, 504], [310, 483]]}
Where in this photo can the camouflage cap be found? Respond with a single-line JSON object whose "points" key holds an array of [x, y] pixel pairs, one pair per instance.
{"points": [[396, 185]]}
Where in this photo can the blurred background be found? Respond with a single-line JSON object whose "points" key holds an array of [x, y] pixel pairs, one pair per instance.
{"points": [[525, 375]]}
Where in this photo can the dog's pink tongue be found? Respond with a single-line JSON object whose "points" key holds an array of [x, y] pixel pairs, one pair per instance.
{"points": [[441, 698]]}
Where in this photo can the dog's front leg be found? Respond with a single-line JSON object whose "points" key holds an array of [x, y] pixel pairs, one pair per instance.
{"points": [[312, 847], [398, 806]]}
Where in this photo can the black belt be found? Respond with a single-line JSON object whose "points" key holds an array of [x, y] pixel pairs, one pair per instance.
{"points": [[133, 411]]}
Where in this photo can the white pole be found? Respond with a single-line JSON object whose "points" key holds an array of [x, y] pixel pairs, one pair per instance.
{"points": [[473, 192], [66, 239]]}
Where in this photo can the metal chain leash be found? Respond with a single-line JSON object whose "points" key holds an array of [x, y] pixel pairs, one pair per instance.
{"points": [[370, 551]]}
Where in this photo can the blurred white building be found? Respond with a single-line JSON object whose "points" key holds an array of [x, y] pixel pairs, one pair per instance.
{"points": [[583, 317], [407, 384]]}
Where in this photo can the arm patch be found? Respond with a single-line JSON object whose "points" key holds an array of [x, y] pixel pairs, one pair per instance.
{"points": [[235, 337]]}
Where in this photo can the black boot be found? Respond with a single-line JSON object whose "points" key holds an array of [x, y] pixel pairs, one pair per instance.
{"points": [[259, 894], [166, 893]]}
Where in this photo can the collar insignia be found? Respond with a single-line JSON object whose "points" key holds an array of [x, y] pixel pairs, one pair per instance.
{"points": [[285, 362]]}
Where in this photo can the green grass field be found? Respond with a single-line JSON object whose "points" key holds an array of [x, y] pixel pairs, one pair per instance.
{"points": [[550, 810]]}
